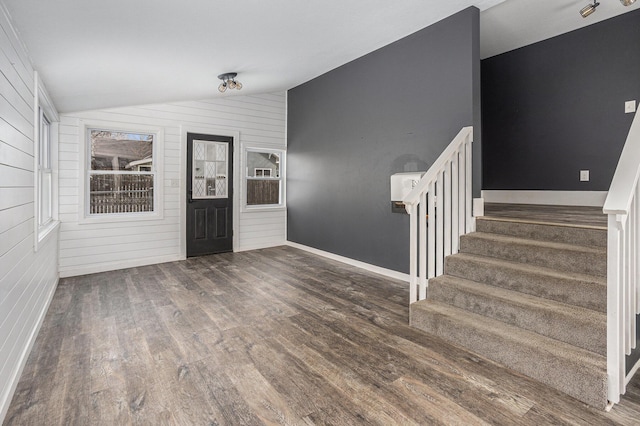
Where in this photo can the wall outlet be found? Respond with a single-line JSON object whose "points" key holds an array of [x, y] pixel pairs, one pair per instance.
{"points": [[584, 175], [629, 106]]}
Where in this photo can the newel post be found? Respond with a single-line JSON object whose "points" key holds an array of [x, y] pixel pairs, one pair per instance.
{"points": [[615, 307]]}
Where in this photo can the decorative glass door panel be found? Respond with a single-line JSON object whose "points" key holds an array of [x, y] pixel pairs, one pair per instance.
{"points": [[210, 170]]}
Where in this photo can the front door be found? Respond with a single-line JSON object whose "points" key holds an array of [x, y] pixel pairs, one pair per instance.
{"points": [[209, 194]]}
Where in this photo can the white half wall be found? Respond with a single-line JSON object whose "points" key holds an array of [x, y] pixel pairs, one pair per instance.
{"points": [[28, 277], [258, 120]]}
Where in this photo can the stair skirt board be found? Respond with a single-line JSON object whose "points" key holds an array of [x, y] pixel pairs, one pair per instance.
{"points": [[530, 296]]}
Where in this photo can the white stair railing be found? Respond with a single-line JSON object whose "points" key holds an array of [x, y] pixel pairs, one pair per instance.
{"points": [[623, 275], [440, 212]]}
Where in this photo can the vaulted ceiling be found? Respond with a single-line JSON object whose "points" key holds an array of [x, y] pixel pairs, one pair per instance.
{"points": [[97, 54]]}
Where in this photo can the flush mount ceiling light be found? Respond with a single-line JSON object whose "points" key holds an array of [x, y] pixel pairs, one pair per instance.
{"points": [[590, 8], [229, 81]]}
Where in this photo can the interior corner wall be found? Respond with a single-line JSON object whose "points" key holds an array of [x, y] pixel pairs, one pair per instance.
{"points": [[556, 107], [393, 110], [28, 278]]}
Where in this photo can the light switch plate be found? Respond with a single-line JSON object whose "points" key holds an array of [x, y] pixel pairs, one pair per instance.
{"points": [[629, 106], [584, 175]]}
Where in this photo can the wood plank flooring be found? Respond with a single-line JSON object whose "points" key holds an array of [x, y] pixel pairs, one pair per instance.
{"points": [[274, 336]]}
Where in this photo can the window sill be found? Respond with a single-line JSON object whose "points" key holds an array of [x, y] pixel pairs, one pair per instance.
{"points": [[120, 217], [258, 209]]}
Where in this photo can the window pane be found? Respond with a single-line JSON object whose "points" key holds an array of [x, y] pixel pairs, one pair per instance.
{"points": [[44, 155], [45, 198], [124, 151], [263, 164], [210, 168], [263, 191], [120, 193]]}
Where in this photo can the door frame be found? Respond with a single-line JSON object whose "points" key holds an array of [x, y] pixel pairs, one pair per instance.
{"points": [[184, 129]]}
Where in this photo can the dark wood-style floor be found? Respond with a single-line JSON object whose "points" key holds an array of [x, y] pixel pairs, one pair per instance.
{"points": [[274, 336]]}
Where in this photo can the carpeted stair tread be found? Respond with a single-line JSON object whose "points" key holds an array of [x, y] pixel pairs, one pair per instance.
{"points": [[577, 326], [561, 256], [590, 236], [572, 370], [587, 291]]}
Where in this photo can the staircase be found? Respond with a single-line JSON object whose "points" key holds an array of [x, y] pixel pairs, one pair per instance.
{"points": [[530, 295]]}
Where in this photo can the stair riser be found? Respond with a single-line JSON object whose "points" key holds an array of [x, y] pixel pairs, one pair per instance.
{"points": [[560, 234], [586, 294], [572, 378], [586, 262], [580, 332]]}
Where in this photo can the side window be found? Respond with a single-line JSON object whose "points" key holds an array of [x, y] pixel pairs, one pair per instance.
{"points": [[121, 173], [45, 180], [264, 172], [45, 165]]}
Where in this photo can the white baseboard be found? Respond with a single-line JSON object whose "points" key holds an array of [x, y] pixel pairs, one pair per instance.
{"points": [[260, 246], [24, 356], [113, 266], [557, 198], [366, 266]]}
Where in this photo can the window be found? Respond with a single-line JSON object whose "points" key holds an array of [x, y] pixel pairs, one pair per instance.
{"points": [[45, 164], [264, 178], [121, 173], [45, 179]]}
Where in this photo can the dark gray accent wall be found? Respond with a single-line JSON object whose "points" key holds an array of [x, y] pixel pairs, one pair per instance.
{"points": [[555, 107], [349, 130]]}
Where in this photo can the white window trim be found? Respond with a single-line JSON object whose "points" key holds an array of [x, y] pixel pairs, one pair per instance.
{"points": [[282, 151], [158, 163], [42, 102]]}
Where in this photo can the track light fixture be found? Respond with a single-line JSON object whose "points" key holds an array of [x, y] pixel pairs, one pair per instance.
{"points": [[229, 81], [590, 8]]}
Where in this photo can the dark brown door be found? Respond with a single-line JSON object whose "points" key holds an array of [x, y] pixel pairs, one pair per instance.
{"points": [[209, 194]]}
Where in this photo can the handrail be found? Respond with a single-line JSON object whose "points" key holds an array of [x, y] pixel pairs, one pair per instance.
{"points": [[627, 173], [623, 255], [414, 195], [448, 179]]}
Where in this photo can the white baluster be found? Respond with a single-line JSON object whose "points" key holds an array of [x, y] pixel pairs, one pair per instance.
{"points": [[468, 187], [455, 212], [462, 192], [431, 240], [413, 253], [439, 223], [626, 286], [447, 209], [422, 294]]}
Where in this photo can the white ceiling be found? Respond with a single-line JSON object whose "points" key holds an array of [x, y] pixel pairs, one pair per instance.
{"points": [[98, 54]]}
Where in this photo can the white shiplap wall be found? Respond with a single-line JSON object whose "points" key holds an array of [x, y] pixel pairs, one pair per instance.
{"points": [[28, 278], [259, 120]]}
